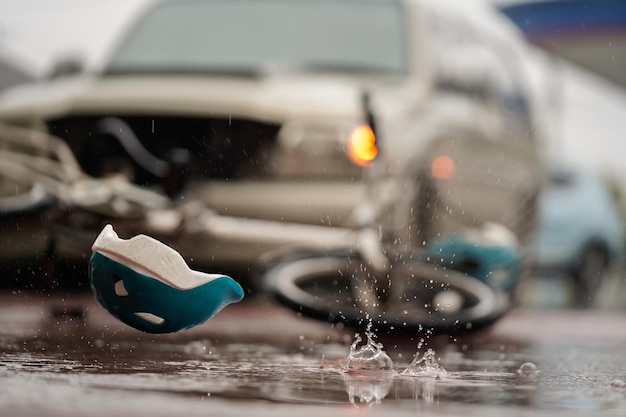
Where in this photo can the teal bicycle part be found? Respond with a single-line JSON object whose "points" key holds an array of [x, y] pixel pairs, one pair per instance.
{"points": [[147, 285], [497, 264]]}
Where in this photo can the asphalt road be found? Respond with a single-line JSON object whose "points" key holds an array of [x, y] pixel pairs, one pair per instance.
{"points": [[62, 354]]}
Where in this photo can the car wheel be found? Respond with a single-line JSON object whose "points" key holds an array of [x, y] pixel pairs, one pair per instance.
{"points": [[591, 273]]}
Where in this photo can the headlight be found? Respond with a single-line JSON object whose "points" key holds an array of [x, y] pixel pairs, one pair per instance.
{"points": [[315, 150]]}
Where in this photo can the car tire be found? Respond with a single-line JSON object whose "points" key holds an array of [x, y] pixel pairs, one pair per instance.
{"points": [[591, 273]]}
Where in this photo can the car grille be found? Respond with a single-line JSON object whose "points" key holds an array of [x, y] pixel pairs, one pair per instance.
{"points": [[216, 147]]}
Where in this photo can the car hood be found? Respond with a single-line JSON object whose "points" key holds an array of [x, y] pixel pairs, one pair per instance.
{"points": [[271, 99]]}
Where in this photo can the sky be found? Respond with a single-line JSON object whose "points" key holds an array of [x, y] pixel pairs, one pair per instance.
{"points": [[590, 124], [34, 33]]}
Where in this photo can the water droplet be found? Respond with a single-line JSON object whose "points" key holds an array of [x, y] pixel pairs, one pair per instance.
{"points": [[369, 357], [425, 366], [528, 368], [420, 344], [197, 348], [448, 301]]}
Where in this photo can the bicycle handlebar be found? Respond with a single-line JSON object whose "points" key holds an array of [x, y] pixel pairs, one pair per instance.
{"points": [[35, 158]]}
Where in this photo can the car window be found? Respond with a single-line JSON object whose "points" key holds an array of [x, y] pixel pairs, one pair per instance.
{"points": [[253, 36]]}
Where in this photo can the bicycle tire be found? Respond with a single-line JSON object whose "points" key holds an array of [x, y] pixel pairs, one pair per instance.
{"points": [[319, 287]]}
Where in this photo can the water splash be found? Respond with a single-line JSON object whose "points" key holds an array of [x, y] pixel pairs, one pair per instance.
{"points": [[198, 348], [426, 390], [528, 369], [368, 357], [426, 366], [367, 389]]}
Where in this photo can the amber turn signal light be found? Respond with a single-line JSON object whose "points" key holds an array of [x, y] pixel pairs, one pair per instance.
{"points": [[362, 147]]}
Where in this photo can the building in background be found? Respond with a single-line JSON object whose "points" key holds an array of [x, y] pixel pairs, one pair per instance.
{"points": [[591, 33]]}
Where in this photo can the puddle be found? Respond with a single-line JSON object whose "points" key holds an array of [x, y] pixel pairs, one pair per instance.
{"points": [[82, 369], [237, 374]]}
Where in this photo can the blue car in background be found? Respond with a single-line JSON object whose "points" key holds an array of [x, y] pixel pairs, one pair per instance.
{"points": [[580, 231]]}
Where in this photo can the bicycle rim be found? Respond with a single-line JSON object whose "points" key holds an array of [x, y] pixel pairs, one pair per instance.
{"points": [[332, 288]]}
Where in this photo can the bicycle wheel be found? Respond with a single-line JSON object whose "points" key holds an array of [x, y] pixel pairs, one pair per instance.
{"points": [[412, 296]]}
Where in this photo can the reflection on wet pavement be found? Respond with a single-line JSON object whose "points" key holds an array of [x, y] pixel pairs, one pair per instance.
{"points": [[66, 364]]}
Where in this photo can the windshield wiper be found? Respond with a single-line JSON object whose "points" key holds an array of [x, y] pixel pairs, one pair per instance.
{"points": [[234, 71], [259, 71], [333, 68]]}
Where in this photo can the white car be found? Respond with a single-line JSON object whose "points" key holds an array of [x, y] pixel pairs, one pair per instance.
{"points": [[260, 104]]}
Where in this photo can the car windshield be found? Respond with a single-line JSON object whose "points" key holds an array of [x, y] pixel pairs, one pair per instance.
{"points": [[251, 37]]}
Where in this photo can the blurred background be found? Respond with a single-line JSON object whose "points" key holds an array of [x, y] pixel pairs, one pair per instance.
{"points": [[579, 67]]}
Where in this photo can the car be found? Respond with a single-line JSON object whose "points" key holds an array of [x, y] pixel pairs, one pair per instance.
{"points": [[580, 231], [412, 117]]}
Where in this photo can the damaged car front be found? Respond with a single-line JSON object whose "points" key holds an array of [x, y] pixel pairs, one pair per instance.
{"points": [[256, 101]]}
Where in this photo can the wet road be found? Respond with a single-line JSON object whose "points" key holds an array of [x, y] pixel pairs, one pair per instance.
{"points": [[257, 358]]}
